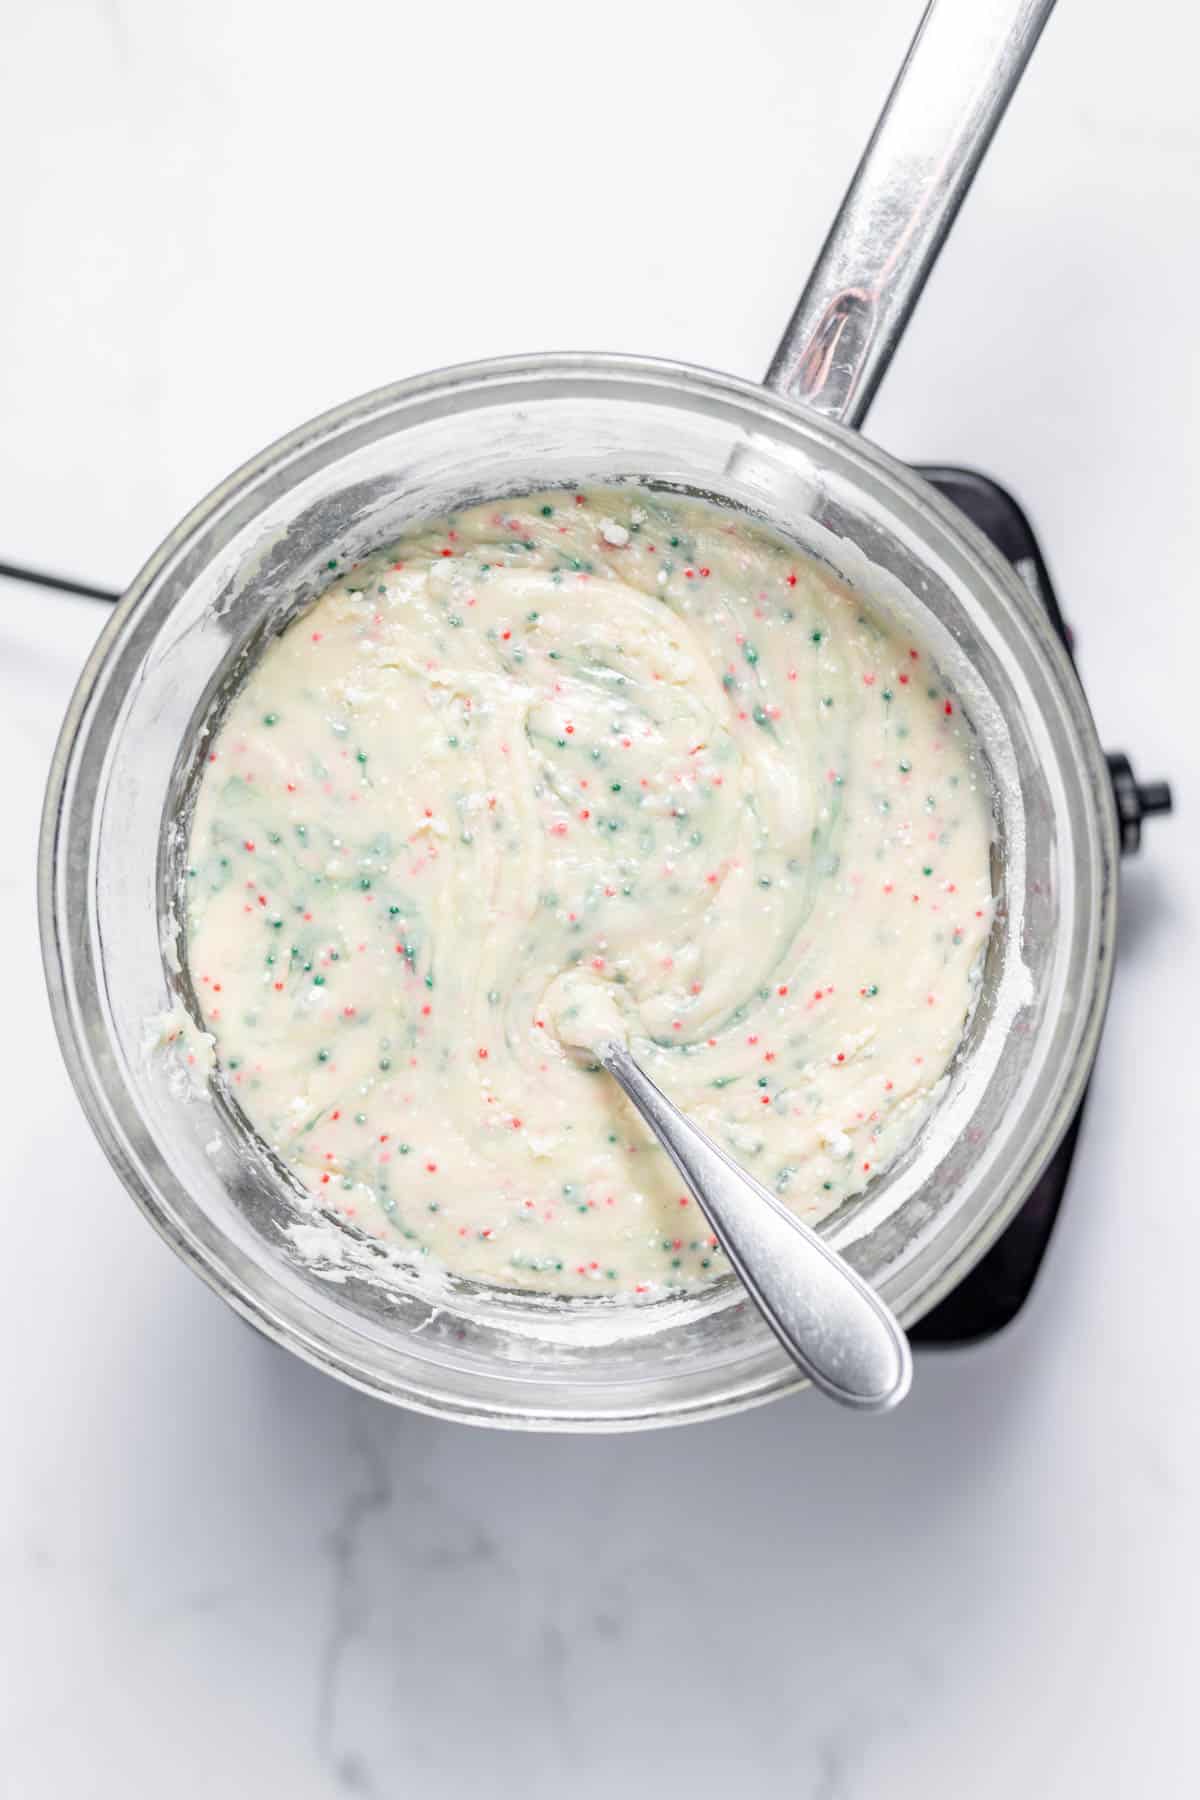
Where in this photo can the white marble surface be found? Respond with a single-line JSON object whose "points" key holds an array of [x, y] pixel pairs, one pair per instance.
{"points": [[224, 1575]]}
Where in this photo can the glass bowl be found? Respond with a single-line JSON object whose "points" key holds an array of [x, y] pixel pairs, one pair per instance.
{"points": [[240, 567]]}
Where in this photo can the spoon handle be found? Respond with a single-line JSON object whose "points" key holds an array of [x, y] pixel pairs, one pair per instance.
{"points": [[825, 1315]]}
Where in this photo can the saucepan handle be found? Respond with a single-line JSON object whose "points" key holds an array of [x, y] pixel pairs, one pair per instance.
{"points": [[950, 95]]}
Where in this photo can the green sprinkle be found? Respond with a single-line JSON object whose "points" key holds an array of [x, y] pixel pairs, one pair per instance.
{"points": [[322, 1056], [270, 718], [318, 981], [547, 512]]}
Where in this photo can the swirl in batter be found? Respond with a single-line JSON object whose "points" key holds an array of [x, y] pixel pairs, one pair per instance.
{"points": [[563, 766]]}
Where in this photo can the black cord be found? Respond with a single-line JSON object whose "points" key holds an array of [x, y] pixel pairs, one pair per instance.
{"points": [[16, 573]]}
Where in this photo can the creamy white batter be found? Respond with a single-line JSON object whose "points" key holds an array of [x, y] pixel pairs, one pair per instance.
{"points": [[568, 767]]}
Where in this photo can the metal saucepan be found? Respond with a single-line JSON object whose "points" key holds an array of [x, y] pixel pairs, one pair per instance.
{"points": [[255, 551]]}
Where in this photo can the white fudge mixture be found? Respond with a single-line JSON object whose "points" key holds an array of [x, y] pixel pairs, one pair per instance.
{"points": [[568, 766]]}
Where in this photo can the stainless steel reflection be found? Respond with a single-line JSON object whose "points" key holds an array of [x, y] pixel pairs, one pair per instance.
{"points": [[951, 93]]}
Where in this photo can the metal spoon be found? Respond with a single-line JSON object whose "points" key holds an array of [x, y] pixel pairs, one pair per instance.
{"points": [[824, 1314]]}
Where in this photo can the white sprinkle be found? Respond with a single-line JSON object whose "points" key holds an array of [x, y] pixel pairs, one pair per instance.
{"points": [[835, 1141]]}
